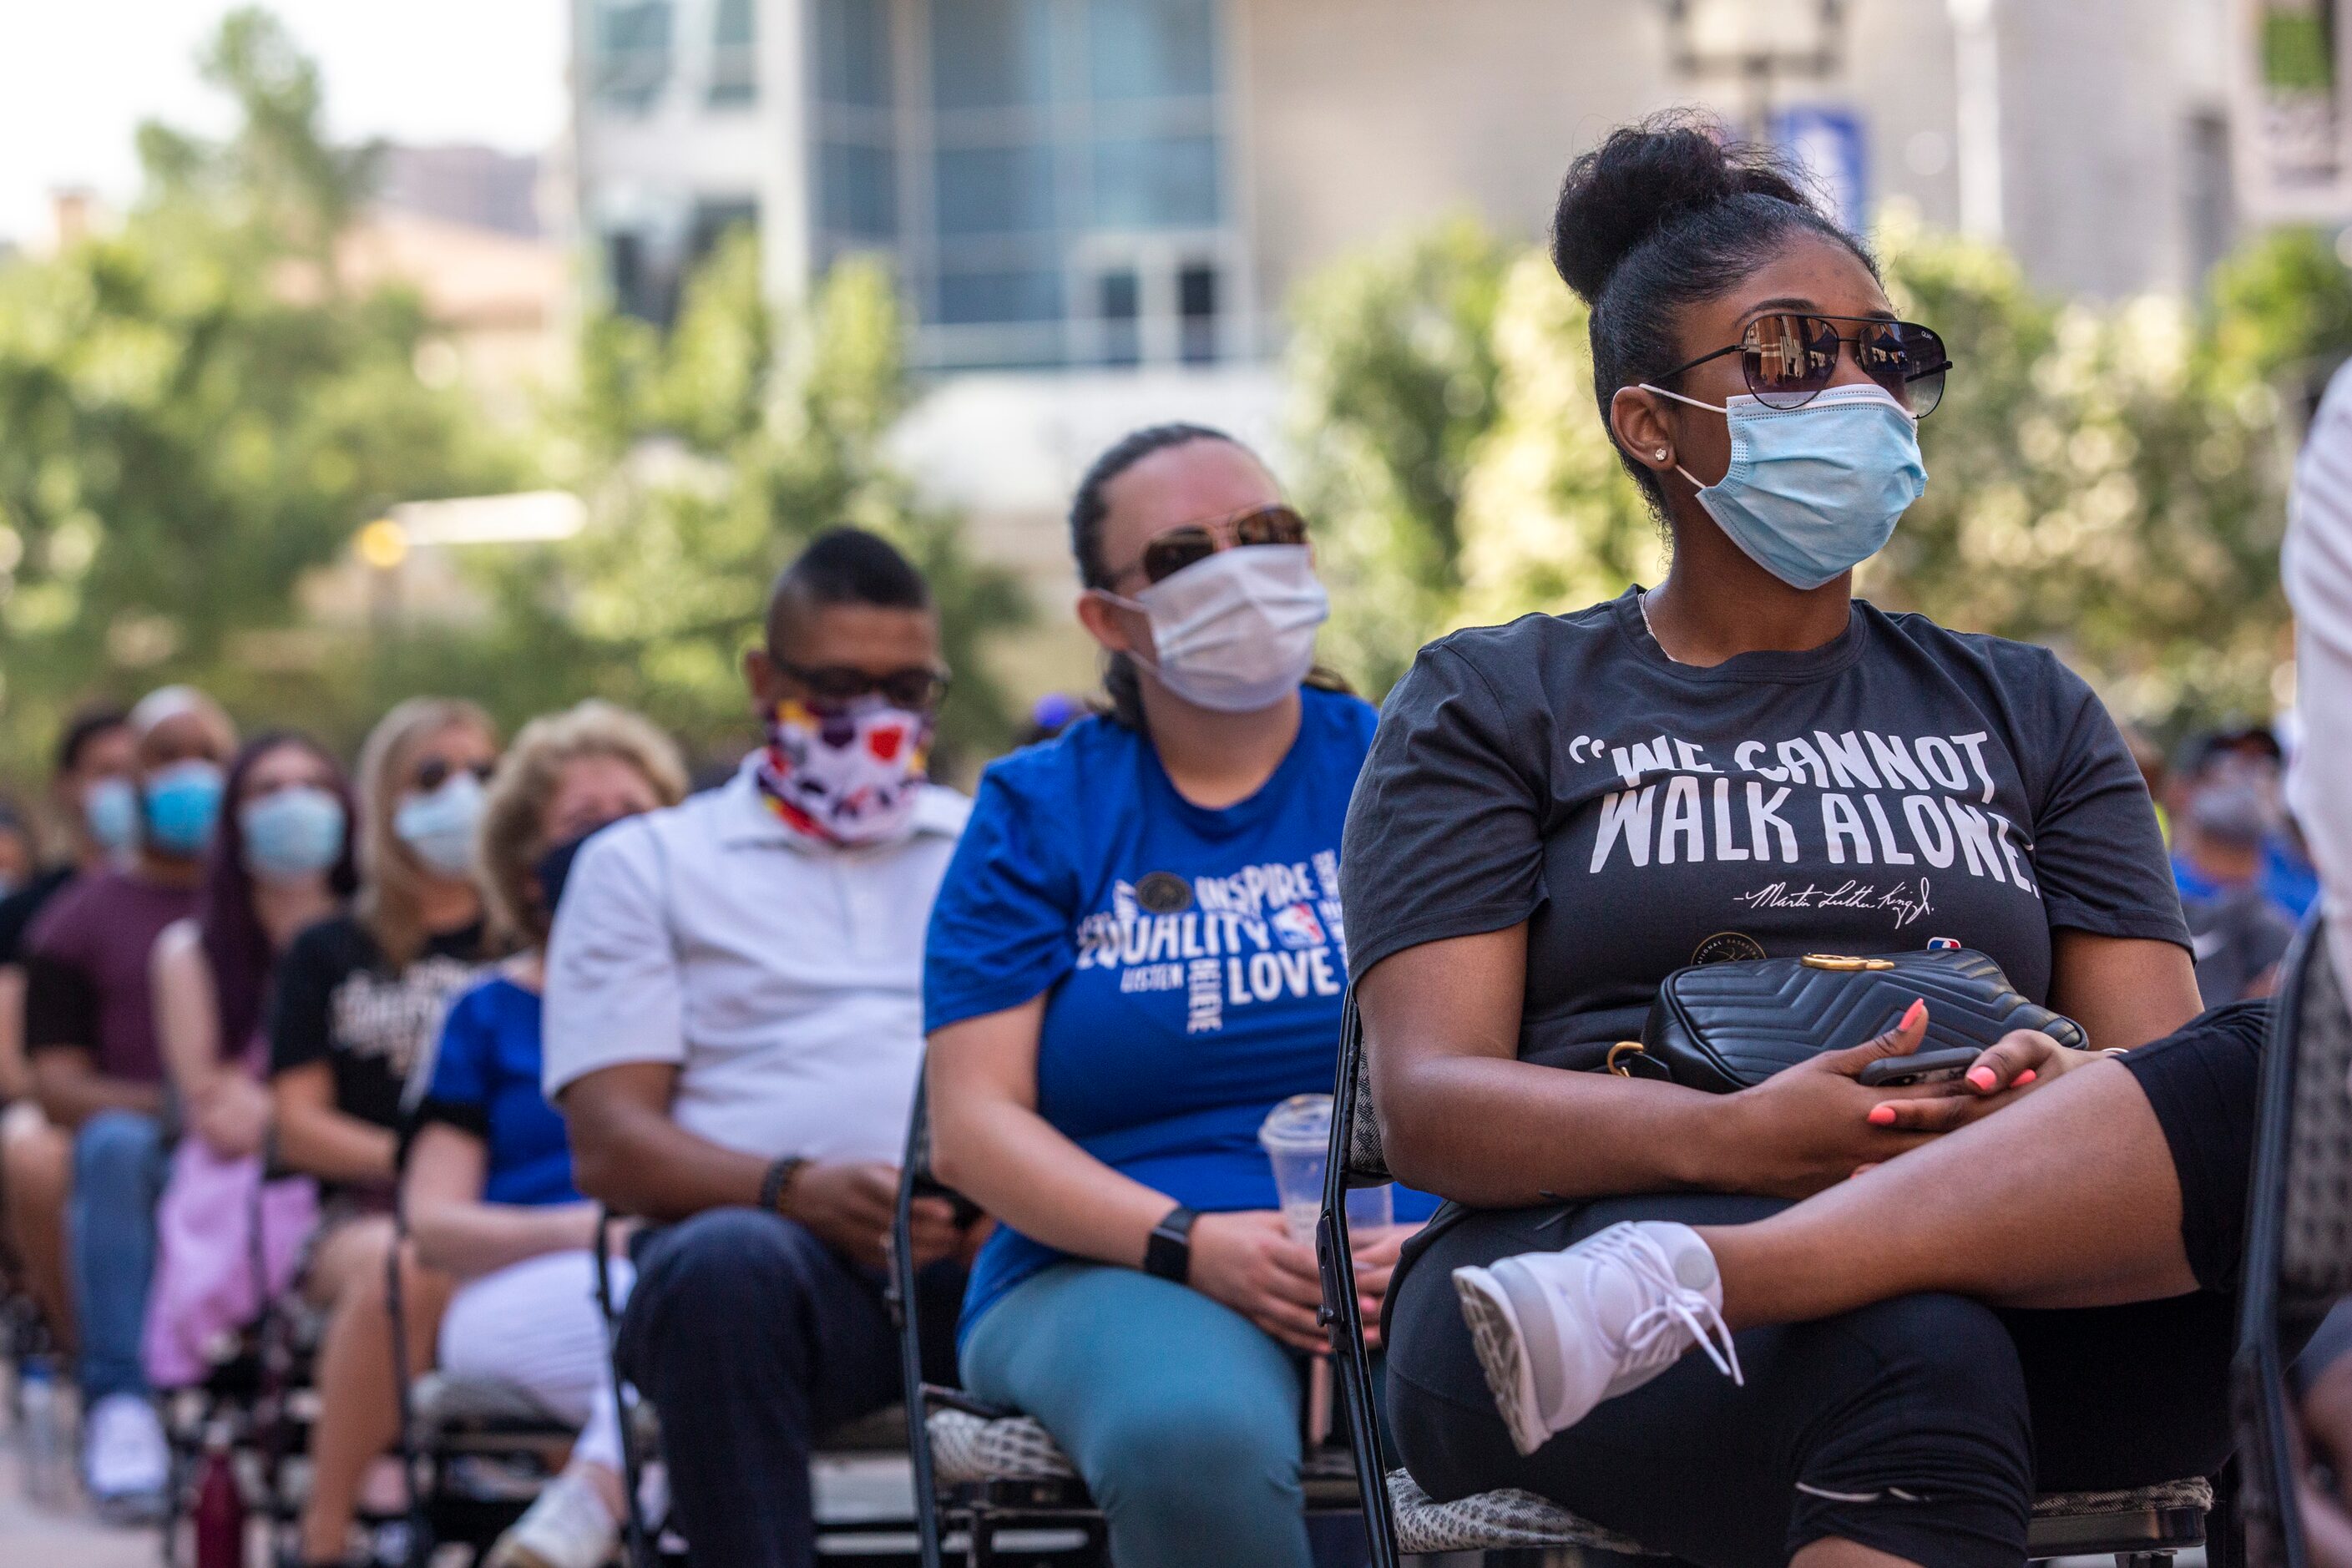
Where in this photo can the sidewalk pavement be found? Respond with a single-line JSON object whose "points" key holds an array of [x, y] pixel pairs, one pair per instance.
{"points": [[63, 1535]]}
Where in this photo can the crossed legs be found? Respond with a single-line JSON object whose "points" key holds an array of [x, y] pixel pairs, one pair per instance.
{"points": [[2069, 1198]]}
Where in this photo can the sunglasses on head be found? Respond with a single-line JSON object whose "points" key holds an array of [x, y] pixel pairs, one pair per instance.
{"points": [[919, 687], [1790, 358], [1194, 543], [435, 771]]}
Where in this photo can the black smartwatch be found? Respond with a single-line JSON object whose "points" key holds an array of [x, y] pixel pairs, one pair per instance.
{"points": [[1169, 1253], [777, 1181]]}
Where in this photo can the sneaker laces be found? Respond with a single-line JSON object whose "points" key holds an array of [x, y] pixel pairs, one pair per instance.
{"points": [[1650, 1332]]}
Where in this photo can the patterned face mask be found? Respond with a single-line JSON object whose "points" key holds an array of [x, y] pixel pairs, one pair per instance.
{"points": [[850, 773]]}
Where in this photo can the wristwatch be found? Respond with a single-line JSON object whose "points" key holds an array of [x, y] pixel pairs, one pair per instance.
{"points": [[777, 1181], [1169, 1253]]}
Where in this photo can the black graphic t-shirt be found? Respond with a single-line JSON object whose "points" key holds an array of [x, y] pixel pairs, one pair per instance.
{"points": [[339, 1002], [1899, 784]]}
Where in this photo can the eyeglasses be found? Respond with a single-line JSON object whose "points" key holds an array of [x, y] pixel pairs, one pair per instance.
{"points": [[1194, 543], [917, 687], [1789, 359], [435, 771]]}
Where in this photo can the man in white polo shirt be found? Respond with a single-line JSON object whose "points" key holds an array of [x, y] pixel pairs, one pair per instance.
{"points": [[733, 1030]]}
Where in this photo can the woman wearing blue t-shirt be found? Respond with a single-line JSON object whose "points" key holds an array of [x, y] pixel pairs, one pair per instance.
{"points": [[490, 1189], [1137, 953]]}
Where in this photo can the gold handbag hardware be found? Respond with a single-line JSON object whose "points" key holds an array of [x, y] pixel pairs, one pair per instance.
{"points": [[1616, 1053], [1843, 964]]}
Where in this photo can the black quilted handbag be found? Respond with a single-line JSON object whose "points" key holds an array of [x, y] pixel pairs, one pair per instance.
{"points": [[1726, 1026]]}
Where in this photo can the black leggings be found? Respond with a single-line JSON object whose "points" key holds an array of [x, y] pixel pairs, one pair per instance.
{"points": [[1922, 1427]]}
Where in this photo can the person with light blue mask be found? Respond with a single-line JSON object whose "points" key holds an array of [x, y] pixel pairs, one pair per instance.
{"points": [[1747, 761], [90, 1025], [280, 861]]}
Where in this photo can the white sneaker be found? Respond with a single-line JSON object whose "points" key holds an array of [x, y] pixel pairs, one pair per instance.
{"points": [[568, 1527], [1558, 1333], [125, 1463]]}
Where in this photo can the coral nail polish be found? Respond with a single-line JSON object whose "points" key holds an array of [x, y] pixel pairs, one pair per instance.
{"points": [[1917, 1010], [1882, 1116], [2028, 1076], [1982, 1077]]}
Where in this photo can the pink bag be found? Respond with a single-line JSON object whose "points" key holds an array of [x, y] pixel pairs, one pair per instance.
{"points": [[204, 1289]]}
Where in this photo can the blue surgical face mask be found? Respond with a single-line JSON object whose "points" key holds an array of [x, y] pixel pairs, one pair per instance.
{"points": [[440, 825], [1813, 491], [109, 809], [182, 804], [291, 833]]}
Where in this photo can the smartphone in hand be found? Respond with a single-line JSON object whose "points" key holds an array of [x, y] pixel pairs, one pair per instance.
{"points": [[1920, 1066]]}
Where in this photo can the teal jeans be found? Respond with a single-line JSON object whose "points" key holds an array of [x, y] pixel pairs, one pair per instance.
{"points": [[1181, 1415]]}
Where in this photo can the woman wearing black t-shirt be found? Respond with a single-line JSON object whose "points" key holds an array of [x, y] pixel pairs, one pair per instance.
{"points": [[358, 997], [1748, 761]]}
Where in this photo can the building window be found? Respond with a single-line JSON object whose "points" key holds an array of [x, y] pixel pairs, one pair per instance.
{"points": [[632, 52], [857, 151], [713, 221], [636, 290], [1055, 191], [734, 55]]}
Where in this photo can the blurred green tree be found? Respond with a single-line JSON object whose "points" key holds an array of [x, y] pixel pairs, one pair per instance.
{"points": [[1391, 366], [193, 414], [197, 410], [707, 457]]}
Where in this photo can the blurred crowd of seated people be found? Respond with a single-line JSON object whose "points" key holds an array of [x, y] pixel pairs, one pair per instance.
{"points": [[388, 1046]]}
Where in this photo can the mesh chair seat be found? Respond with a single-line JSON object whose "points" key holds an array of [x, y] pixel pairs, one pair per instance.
{"points": [[1499, 1520], [968, 1448], [1493, 1521], [445, 1404]]}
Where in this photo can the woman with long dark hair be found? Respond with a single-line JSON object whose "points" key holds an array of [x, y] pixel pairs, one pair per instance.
{"points": [[281, 861], [1136, 955]]}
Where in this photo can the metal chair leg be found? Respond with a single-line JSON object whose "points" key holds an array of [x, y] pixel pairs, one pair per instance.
{"points": [[634, 1544], [412, 1462]]}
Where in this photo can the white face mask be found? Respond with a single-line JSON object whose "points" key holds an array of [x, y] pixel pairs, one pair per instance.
{"points": [[1235, 632]]}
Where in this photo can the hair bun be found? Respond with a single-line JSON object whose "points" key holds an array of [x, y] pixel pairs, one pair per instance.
{"points": [[1643, 177]]}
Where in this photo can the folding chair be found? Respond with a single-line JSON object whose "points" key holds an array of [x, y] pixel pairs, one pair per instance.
{"points": [[257, 1382], [852, 1520], [476, 1451], [2139, 1528], [985, 1474], [2299, 1230]]}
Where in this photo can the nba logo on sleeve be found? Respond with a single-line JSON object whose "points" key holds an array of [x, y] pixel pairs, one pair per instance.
{"points": [[1295, 927]]}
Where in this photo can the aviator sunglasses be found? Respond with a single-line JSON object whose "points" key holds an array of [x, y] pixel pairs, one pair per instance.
{"points": [[1789, 357], [1194, 543]]}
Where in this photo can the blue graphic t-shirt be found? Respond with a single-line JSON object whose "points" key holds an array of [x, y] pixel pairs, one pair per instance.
{"points": [[485, 1081], [1194, 960]]}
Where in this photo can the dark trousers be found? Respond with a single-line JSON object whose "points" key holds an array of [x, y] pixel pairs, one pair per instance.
{"points": [[754, 1339]]}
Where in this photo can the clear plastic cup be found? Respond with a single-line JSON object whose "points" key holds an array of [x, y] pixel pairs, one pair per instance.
{"points": [[1296, 1136]]}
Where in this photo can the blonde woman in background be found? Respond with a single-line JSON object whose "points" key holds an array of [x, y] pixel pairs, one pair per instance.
{"points": [[489, 1188], [359, 995]]}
